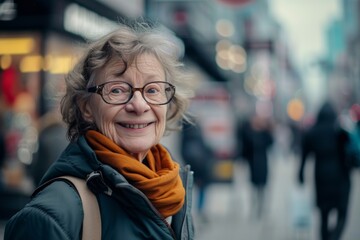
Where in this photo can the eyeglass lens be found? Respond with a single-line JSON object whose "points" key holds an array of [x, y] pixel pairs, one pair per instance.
{"points": [[121, 92]]}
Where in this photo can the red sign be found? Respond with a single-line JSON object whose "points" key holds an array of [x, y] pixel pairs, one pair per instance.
{"points": [[235, 2]]}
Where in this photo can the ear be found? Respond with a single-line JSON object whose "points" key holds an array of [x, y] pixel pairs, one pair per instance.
{"points": [[86, 111]]}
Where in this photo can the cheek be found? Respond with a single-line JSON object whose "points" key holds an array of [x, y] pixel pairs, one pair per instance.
{"points": [[107, 126], [103, 118], [161, 113]]}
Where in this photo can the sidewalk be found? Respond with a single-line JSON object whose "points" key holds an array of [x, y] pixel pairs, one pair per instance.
{"points": [[229, 216], [228, 210]]}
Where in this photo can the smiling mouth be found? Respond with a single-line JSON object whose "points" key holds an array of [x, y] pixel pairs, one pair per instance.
{"points": [[135, 126]]}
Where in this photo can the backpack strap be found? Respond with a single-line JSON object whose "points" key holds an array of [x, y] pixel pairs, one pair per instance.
{"points": [[92, 219]]}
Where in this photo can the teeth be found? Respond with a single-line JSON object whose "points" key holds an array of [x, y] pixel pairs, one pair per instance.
{"points": [[135, 126]]}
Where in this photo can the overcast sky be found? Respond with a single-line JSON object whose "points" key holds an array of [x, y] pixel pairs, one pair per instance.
{"points": [[305, 22]]}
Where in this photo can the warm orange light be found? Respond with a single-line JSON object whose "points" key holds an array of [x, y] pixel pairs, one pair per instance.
{"points": [[60, 64], [5, 61], [223, 45], [295, 109], [31, 63], [237, 54], [225, 28], [222, 62], [16, 45]]}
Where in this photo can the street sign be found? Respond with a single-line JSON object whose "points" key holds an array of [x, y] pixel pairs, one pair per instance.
{"points": [[235, 2]]}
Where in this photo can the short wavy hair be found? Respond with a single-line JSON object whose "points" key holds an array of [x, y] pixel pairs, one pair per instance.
{"points": [[127, 42]]}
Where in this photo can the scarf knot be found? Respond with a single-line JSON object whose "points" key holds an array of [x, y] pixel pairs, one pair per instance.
{"points": [[159, 180]]}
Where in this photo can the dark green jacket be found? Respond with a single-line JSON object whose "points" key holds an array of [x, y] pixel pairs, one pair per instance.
{"points": [[55, 211]]}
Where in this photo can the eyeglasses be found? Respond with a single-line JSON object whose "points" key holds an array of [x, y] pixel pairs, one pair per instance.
{"points": [[117, 92]]}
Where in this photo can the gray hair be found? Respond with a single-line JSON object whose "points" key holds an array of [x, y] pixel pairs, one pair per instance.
{"points": [[127, 42]]}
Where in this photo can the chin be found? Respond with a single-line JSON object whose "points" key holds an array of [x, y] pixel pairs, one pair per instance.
{"points": [[137, 145], [138, 149]]}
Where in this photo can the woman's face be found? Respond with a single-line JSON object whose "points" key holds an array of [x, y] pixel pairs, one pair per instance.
{"points": [[135, 126]]}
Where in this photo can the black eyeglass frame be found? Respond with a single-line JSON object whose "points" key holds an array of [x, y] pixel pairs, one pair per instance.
{"points": [[99, 90]]}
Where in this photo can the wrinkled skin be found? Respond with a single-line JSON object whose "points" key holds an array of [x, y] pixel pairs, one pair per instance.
{"points": [[135, 126]]}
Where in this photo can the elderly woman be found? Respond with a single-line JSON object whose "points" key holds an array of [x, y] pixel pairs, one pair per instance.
{"points": [[121, 97]]}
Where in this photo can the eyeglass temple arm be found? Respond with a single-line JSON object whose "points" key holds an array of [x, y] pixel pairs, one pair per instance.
{"points": [[95, 89]]}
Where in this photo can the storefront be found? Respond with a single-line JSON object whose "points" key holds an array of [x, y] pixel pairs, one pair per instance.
{"points": [[40, 41], [215, 117]]}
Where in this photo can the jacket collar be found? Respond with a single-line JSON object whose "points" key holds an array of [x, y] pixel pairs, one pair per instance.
{"points": [[79, 160]]}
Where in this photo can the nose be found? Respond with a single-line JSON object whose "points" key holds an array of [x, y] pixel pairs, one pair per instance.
{"points": [[137, 104]]}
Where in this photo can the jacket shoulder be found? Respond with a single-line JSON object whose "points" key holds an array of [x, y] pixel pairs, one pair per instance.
{"points": [[53, 213]]}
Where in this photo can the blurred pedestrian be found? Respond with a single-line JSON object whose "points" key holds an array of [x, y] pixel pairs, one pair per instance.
{"points": [[332, 180], [199, 155], [296, 134], [125, 92], [353, 140], [256, 138], [52, 141]]}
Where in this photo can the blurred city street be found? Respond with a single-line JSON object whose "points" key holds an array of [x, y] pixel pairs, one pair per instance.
{"points": [[229, 216], [228, 207], [262, 65]]}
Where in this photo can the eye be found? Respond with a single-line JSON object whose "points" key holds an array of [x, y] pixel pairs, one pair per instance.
{"points": [[118, 88], [152, 89]]}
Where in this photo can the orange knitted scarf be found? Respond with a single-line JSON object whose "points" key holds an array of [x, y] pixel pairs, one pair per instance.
{"points": [[159, 181]]}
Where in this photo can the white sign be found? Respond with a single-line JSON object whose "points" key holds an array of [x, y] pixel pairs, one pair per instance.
{"points": [[86, 23], [7, 10]]}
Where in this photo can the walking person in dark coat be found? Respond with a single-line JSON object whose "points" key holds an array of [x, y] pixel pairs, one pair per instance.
{"points": [[332, 180], [200, 156], [52, 141], [256, 137]]}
